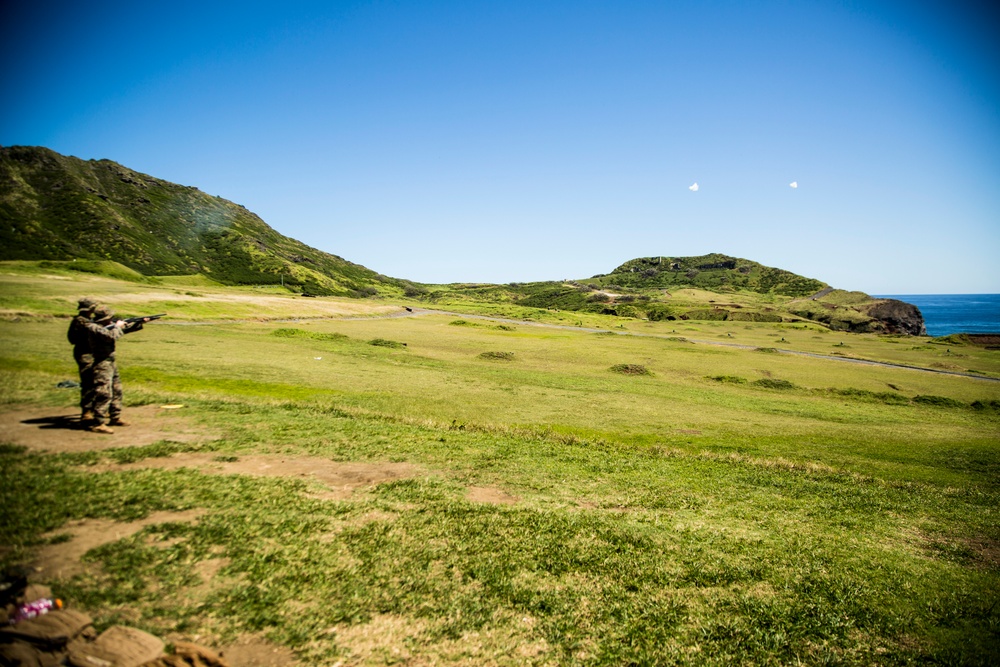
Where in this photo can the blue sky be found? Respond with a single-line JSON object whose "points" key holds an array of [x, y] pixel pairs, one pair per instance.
{"points": [[520, 141]]}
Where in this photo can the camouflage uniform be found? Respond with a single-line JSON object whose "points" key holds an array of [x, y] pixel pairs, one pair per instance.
{"points": [[107, 384], [80, 339]]}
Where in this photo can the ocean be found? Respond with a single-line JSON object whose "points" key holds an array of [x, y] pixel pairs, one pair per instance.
{"points": [[947, 314]]}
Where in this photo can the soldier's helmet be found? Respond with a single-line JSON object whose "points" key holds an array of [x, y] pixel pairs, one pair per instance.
{"points": [[103, 314], [86, 303]]}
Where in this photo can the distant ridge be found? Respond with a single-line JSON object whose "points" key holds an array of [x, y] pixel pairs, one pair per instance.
{"points": [[56, 207], [132, 225], [714, 272]]}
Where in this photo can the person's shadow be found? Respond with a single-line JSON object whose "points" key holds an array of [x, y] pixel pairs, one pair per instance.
{"points": [[67, 422]]}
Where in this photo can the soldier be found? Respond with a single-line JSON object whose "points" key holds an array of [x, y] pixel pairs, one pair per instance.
{"points": [[103, 332], [80, 339]]}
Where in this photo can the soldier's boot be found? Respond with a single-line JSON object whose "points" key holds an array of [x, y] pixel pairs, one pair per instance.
{"points": [[87, 416], [100, 428], [117, 421]]}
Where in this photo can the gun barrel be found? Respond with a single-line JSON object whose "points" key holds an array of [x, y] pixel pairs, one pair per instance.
{"points": [[133, 320]]}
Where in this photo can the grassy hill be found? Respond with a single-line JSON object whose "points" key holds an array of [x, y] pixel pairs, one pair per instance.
{"points": [[712, 272], [711, 287], [62, 208], [100, 217]]}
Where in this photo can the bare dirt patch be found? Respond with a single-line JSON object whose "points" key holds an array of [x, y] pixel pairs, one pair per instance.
{"points": [[60, 430], [385, 638], [253, 651], [63, 560], [341, 479], [482, 494]]}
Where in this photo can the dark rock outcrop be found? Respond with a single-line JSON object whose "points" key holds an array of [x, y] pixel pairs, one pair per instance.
{"points": [[898, 317]]}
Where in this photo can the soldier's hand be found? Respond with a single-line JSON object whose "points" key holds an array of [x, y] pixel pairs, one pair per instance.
{"points": [[120, 324]]}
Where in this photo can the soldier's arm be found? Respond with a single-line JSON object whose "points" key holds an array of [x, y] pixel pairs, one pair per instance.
{"points": [[114, 333]]}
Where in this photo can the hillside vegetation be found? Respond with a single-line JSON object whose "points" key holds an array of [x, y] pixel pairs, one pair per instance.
{"points": [[62, 208], [103, 217], [762, 294]]}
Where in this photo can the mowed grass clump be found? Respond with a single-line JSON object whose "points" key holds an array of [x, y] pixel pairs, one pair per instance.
{"points": [[384, 342], [630, 369], [308, 335], [497, 356]]}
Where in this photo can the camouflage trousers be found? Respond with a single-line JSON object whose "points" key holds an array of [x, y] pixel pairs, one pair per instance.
{"points": [[85, 363], [107, 390]]}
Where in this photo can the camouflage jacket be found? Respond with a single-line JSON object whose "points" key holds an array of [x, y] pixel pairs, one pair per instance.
{"points": [[102, 340], [78, 335]]}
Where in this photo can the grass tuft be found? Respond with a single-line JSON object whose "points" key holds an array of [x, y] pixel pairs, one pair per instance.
{"points": [[310, 335], [771, 383], [630, 369], [382, 342], [497, 356]]}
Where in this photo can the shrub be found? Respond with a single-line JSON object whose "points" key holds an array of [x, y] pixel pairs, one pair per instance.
{"points": [[497, 356], [730, 379], [657, 313], [769, 383], [382, 342], [630, 369], [302, 333], [767, 350], [878, 396], [939, 401], [709, 314], [754, 317]]}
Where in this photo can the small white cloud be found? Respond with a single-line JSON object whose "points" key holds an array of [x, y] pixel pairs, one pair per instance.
{"points": [[793, 184], [693, 188]]}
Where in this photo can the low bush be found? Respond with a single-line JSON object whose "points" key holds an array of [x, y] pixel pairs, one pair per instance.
{"points": [[939, 401], [770, 383], [302, 333], [877, 396], [382, 342], [730, 379], [497, 356], [630, 369]]}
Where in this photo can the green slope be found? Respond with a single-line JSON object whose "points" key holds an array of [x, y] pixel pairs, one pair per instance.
{"points": [[712, 287], [712, 272], [60, 208]]}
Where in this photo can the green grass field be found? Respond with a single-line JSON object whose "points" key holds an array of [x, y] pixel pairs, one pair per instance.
{"points": [[752, 497]]}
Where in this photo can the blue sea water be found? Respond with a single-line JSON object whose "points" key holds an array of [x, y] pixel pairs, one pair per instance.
{"points": [[947, 314]]}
